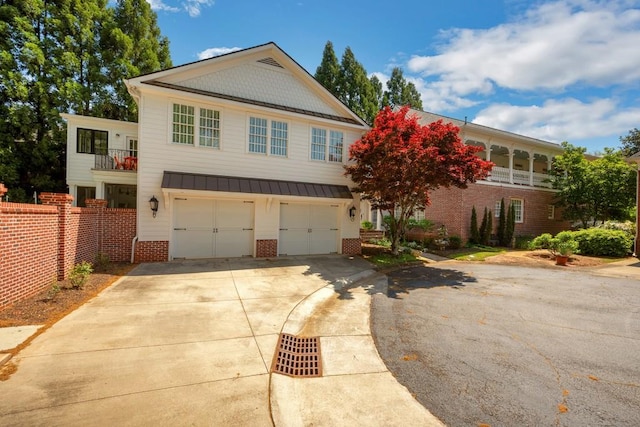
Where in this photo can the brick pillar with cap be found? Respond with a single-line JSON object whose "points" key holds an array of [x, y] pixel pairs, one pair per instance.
{"points": [[66, 251]]}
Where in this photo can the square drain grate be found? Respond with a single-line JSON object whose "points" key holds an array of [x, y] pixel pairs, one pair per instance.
{"points": [[297, 357]]}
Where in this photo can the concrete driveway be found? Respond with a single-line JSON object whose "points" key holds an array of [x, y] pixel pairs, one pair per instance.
{"points": [[180, 343], [482, 344]]}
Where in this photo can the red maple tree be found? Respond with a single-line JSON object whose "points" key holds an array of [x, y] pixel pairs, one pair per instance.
{"points": [[399, 161]]}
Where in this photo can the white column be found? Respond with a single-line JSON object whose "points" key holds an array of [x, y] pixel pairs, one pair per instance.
{"points": [[379, 220], [531, 156], [488, 150], [511, 154]]}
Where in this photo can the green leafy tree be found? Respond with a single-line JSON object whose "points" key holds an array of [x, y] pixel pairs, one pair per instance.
{"points": [[378, 94], [630, 142], [592, 191], [474, 232], [400, 92], [502, 225], [328, 72]]}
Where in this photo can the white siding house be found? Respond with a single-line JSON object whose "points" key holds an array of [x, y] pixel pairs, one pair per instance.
{"points": [[245, 153]]}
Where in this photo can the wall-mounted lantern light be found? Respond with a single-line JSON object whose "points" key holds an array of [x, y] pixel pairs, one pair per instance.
{"points": [[153, 202], [352, 213]]}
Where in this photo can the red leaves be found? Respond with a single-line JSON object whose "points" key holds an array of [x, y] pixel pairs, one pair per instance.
{"points": [[399, 161]]}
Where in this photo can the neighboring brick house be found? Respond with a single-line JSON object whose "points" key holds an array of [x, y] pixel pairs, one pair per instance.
{"points": [[518, 177], [244, 153]]}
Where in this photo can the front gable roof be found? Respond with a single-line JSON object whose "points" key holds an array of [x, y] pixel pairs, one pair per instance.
{"points": [[263, 75]]}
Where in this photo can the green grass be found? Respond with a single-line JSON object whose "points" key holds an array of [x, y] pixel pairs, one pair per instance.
{"points": [[479, 253], [388, 260]]}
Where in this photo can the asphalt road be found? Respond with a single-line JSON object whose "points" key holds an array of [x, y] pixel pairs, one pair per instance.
{"points": [[513, 346]]}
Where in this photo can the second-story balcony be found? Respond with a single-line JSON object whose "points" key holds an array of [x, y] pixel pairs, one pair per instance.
{"points": [[124, 160], [520, 177]]}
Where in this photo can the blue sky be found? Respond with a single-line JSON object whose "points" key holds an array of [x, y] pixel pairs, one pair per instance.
{"points": [[566, 70]]}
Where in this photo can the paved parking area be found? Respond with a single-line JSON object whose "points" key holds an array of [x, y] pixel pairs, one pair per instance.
{"points": [[503, 345], [180, 343]]}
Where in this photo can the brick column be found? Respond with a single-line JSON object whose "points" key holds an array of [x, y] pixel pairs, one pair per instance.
{"points": [[66, 254], [100, 205]]}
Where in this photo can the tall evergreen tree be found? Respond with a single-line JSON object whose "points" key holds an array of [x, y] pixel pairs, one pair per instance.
{"points": [[133, 45], [502, 225], [474, 232], [400, 92], [356, 90], [328, 72], [511, 224]]}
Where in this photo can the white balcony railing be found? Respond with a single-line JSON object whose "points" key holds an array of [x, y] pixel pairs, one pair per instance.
{"points": [[500, 174]]}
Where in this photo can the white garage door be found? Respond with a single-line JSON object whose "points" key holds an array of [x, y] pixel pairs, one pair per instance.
{"points": [[308, 229], [212, 228]]}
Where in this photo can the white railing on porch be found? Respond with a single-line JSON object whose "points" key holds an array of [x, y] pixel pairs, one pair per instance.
{"points": [[500, 174]]}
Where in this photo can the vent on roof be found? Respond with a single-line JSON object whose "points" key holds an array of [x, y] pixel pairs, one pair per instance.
{"points": [[297, 356], [270, 61]]}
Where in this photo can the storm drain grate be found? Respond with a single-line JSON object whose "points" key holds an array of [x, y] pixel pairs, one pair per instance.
{"points": [[297, 357]]}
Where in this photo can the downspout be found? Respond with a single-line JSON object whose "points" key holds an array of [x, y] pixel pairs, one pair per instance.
{"points": [[133, 248]]}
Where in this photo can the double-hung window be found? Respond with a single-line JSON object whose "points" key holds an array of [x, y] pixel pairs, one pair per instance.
{"points": [[185, 127], [92, 141], [331, 150], [268, 136], [518, 206]]}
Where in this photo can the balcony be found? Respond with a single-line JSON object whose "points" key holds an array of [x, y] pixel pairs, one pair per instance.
{"points": [[116, 160], [535, 179]]}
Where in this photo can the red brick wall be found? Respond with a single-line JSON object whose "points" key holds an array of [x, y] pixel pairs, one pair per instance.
{"points": [[119, 231], [152, 251], [40, 244], [351, 246], [266, 248], [28, 250], [452, 207]]}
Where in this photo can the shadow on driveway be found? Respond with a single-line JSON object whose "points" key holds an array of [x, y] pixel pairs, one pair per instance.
{"points": [[423, 277]]}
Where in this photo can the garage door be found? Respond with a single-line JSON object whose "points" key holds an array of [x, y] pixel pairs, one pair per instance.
{"points": [[308, 229], [212, 228]]}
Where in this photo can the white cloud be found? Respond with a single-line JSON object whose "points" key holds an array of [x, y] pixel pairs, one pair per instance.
{"points": [[160, 5], [550, 47], [192, 7], [216, 51], [562, 120]]}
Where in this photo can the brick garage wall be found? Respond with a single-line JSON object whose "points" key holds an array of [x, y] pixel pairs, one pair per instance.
{"points": [[351, 246], [452, 207], [266, 248], [119, 231], [152, 251], [28, 250]]}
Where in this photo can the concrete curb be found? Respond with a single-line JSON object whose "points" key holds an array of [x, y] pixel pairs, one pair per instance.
{"points": [[298, 317], [4, 358]]}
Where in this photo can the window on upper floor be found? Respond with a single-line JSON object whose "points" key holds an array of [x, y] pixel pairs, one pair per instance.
{"points": [[132, 145], [268, 136], [185, 127], [209, 128], [92, 141], [321, 149]]}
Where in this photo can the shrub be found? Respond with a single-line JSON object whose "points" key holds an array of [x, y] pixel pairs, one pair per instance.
{"points": [[474, 232], [455, 242], [627, 226], [423, 224], [604, 242], [102, 261], [366, 225], [413, 245], [522, 242], [563, 244], [80, 274], [381, 242]]}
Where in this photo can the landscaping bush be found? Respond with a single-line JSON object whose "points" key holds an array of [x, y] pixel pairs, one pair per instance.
{"points": [[423, 224], [604, 242], [455, 242], [80, 274], [626, 226], [522, 242], [366, 225], [563, 243]]}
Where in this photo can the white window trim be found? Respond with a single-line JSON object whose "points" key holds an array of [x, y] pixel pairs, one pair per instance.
{"points": [[521, 210], [551, 212], [327, 145], [270, 120], [196, 125]]}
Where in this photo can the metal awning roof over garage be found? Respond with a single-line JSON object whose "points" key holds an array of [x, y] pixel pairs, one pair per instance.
{"points": [[192, 181]]}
